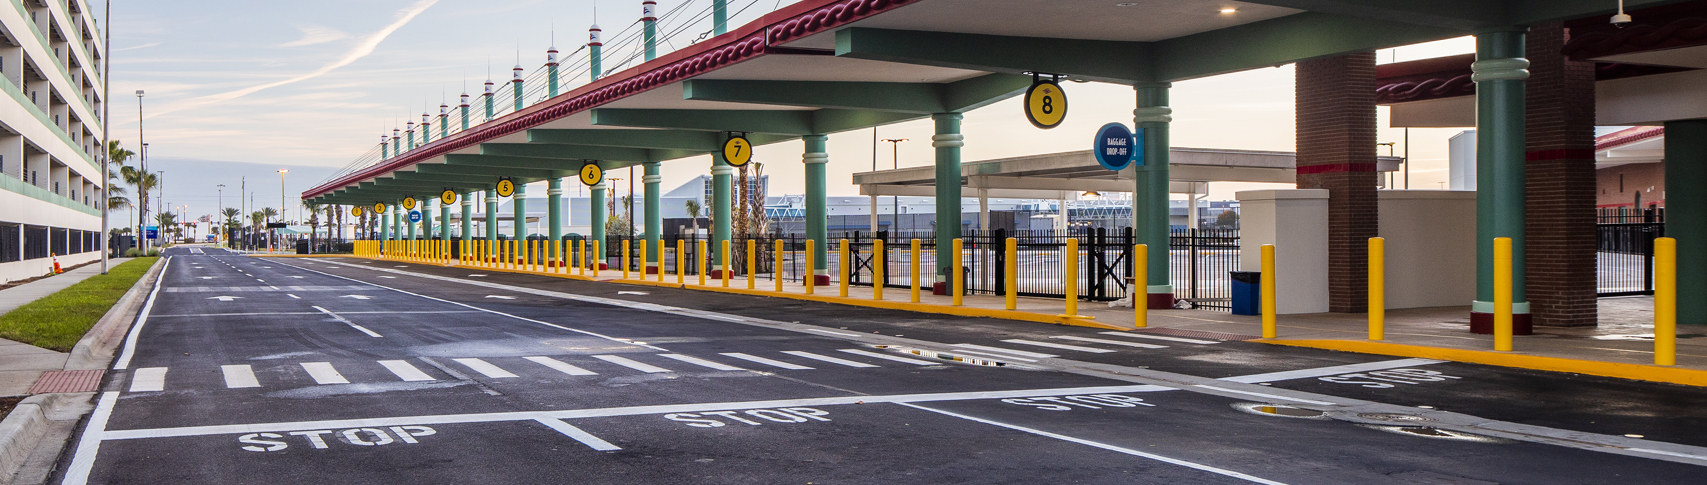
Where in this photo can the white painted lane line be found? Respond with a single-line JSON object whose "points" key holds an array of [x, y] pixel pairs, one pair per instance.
{"points": [[83, 460], [699, 362], [999, 351], [123, 361], [237, 376], [827, 358], [405, 371], [1110, 342], [323, 373], [1109, 447], [1158, 337], [370, 333], [769, 362], [632, 364], [485, 367], [989, 355], [148, 379], [582, 436], [561, 366], [1329, 371], [895, 358], [1270, 396], [1058, 346]]}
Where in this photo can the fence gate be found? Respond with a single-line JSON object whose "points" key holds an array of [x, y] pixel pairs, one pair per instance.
{"points": [[1625, 258], [1199, 263]]}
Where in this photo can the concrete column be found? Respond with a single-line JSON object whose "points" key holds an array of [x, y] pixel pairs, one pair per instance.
{"points": [[519, 202], [721, 195], [874, 225], [1686, 214], [1499, 73], [554, 212], [385, 224], [947, 142], [1150, 199], [817, 203], [654, 220], [596, 214], [492, 214], [1336, 151], [409, 222], [444, 220], [468, 215], [427, 218], [397, 217], [1559, 183]]}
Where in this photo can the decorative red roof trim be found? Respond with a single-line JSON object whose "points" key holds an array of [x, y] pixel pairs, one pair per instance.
{"points": [[1627, 136], [748, 42]]}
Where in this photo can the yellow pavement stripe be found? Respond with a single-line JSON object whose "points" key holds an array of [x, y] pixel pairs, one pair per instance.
{"points": [[1638, 372]]}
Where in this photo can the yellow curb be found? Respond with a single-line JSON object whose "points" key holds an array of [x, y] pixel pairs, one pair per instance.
{"points": [[1652, 373], [303, 256]]}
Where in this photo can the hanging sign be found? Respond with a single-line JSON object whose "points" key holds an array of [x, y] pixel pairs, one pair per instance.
{"points": [[1045, 103], [448, 197], [1116, 147], [379, 208], [737, 151], [356, 211], [592, 174], [409, 203], [506, 188], [414, 216]]}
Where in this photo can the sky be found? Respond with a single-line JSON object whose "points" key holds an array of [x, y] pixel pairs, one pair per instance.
{"points": [[236, 91]]}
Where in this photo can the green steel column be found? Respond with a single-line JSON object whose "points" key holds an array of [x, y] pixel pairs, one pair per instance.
{"points": [[596, 217], [649, 27], [426, 128], [551, 71], [817, 201], [396, 142], [385, 224], [1150, 215], [468, 215], [444, 220], [444, 121], [720, 207], [1499, 73], [490, 110], [397, 217], [407, 221], [719, 16], [410, 133], [384, 148], [519, 202], [516, 85], [1686, 214], [654, 220], [554, 213], [595, 47], [947, 142], [464, 107], [491, 215], [426, 220]]}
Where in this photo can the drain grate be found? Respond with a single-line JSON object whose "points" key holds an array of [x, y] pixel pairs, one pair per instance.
{"points": [[1196, 334], [68, 381]]}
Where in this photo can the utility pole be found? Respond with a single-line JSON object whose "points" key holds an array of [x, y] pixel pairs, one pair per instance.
{"points": [[282, 173], [159, 199], [895, 159], [106, 143], [220, 213], [142, 168]]}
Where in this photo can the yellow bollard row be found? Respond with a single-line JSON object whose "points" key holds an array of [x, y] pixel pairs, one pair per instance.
{"points": [[958, 279], [624, 259], [1011, 269], [681, 266], [699, 258]]}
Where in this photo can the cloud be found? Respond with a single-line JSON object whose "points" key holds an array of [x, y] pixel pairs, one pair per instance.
{"points": [[151, 44], [363, 47], [316, 35]]}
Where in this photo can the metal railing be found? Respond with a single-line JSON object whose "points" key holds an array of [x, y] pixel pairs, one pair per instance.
{"points": [[1199, 265], [1625, 258]]}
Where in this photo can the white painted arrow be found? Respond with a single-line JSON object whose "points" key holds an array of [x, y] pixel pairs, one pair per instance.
{"points": [[225, 298], [501, 297], [358, 297]]}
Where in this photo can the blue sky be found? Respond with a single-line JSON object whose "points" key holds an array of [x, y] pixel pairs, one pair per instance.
{"points": [[238, 90]]}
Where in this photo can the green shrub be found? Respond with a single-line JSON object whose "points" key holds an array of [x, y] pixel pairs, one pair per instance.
{"points": [[132, 252]]}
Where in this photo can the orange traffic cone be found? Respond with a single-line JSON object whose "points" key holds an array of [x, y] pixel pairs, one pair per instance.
{"points": [[55, 257]]}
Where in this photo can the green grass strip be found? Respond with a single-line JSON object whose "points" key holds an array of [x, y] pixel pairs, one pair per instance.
{"points": [[57, 321]]}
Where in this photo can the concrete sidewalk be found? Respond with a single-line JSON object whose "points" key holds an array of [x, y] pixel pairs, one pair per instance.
{"points": [[22, 364]]}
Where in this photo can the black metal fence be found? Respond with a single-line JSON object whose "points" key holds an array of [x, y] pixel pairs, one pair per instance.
{"points": [[1625, 258], [1199, 263]]}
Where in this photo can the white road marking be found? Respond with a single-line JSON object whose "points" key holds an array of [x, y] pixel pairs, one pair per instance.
{"points": [[999, 351], [1270, 396], [358, 297], [476, 276], [699, 362], [769, 362], [827, 358], [83, 460], [1058, 346], [323, 373], [1110, 342], [1669, 453], [1158, 337], [1109, 447], [561, 366], [225, 298], [582, 436], [389, 277], [405, 371], [148, 379], [1328, 371], [293, 297], [237, 376], [501, 297], [632, 364], [896, 358], [988, 355], [485, 367], [329, 313]]}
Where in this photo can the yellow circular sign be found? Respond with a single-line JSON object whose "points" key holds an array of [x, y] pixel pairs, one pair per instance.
{"points": [[379, 208], [356, 211], [448, 197], [1045, 104], [592, 174], [506, 188], [737, 151], [409, 203]]}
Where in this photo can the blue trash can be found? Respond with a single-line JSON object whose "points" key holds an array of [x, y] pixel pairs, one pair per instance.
{"points": [[1247, 292]]}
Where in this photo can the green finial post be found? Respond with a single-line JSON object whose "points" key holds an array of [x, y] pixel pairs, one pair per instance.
{"points": [[551, 72], [649, 23], [596, 47], [719, 16]]}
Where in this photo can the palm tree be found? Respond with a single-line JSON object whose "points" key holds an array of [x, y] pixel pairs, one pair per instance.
{"points": [[116, 194], [166, 220], [693, 213], [143, 182], [313, 220]]}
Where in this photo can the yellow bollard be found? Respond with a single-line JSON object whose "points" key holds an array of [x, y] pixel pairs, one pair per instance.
{"points": [[1010, 280], [724, 258], [776, 266], [659, 259], [1140, 285], [915, 270], [1070, 262], [1665, 301], [681, 266], [879, 264], [1377, 288], [624, 259], [1268, 303], [842, 270], [581, 257], [811, 274], [643, 260], [598, 252], [699, 258], [958, 286], [752, 262], [1502, 294]]}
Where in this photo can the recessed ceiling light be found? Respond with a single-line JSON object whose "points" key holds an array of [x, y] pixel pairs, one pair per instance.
{"points": [[1229, 10], [1126, 4]]}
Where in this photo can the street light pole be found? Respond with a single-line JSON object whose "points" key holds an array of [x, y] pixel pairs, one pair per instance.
{"points": [[282, 173], [142, 168], [106, 137], [219, 213]]}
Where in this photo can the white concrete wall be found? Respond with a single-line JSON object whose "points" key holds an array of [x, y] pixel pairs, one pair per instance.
{"points": [[1296, 223], [1431, 247]]}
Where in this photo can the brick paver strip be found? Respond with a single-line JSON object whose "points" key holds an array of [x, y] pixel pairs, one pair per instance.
{"points": [[68, 381]]}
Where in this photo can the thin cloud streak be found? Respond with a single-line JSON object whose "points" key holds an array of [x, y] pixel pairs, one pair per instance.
{"points": [[150, 44]]}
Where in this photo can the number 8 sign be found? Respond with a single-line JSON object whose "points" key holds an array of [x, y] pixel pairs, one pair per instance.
{"points": [[1045, 104]]}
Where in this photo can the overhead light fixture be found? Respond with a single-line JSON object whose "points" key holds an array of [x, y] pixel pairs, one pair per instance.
{"points": [[1229, 10]]}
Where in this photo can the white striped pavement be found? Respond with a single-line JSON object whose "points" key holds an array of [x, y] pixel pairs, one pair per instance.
{"points": [[700, 362], [1110, 342], [560, 366], [826, 358], [1058, 346], [148, 379], [405, 371], [485, 368], [769, 362], [631, 363], [324, 373], [895, 358], [239, 376]]}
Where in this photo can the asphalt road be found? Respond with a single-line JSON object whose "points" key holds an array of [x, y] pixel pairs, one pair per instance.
{"points": [[255, 370]]}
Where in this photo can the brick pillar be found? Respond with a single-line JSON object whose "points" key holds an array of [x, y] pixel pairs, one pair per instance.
{"points": [[1336, 151], [1559, 183]]}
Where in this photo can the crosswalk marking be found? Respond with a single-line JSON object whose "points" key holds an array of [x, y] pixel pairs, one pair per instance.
{"points": [[699, 362], [323, 373], [405, 371], [876, 355], [561, 366], [1058, 346], [769, 362], [237, 376], [486, 368], [999, 350], [991, 355], [1111, 342], [148, 379], [630, 363], [827, 358], [1158, 337]]}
